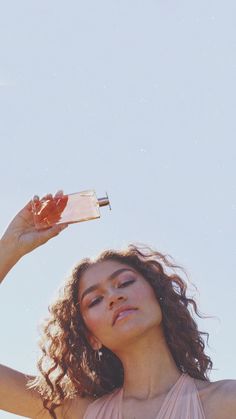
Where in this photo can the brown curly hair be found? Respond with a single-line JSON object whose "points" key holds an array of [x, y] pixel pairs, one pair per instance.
{"points": [[69, 366]]}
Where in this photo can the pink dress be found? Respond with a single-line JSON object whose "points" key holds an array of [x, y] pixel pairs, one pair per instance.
{"points": [[181, 402]]}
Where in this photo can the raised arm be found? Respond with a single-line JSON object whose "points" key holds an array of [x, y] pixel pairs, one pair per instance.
{"points": [[16, 398], [20, 238]]}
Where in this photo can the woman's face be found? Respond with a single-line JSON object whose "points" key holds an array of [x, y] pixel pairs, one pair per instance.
{"points": [[105, 289]]}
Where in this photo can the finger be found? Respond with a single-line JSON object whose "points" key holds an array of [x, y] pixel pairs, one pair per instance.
{"points": [[53, 231], [61, 204], [48, 196], [56, 229], [35, 202], [27, 207], [59, 193], [63, 226], [47, 208]]}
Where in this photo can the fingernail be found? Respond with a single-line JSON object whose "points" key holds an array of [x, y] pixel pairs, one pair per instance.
{"points": [[60, 192]]}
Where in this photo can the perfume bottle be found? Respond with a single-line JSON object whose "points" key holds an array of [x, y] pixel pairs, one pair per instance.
{"points": [[71, 208]]}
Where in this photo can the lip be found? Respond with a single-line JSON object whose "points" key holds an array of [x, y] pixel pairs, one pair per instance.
{"points": [[120, 310]]}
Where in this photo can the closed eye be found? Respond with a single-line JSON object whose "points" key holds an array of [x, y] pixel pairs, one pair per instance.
{"points": [[126, 283], [94, 302], [122, 285]]}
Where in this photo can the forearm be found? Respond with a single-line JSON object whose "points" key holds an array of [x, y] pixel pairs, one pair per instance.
{"points": [[15, 397], [8, 258]]}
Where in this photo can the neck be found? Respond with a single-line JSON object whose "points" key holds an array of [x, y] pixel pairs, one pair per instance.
{"points": [[149, 368]]}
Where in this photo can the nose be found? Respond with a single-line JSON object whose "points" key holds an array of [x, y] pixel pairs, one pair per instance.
{"points": [[114, 297]]}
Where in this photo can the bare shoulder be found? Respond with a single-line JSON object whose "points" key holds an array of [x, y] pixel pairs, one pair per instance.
{"points": [[218, 398], [225, 398]]}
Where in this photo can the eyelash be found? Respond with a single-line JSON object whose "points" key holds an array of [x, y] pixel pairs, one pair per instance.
{"points": [[123, 285]]}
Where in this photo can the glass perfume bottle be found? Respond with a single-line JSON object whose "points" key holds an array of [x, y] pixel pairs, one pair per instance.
{"points": [[71, 208]]}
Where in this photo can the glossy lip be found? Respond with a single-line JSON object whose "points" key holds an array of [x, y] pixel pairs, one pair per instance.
{"points": [[120, 310]]}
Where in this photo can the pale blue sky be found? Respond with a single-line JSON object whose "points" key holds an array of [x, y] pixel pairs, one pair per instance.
{"points": [[133, 98]]}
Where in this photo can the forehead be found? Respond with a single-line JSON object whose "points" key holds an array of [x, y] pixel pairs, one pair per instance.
{"points": [[100, 272]]}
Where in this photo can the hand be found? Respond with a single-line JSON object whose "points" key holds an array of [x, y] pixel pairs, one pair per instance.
{"points": [[48, 210], [21, 236]]}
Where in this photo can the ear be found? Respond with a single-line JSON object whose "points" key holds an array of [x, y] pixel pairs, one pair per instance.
{"points": [[93, 341]]}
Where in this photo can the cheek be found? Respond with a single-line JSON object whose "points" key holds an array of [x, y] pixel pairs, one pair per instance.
{"points": [[144, 294], [147, 299], [94, 319]]}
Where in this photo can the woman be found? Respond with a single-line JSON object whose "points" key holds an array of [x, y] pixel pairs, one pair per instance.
{"points": [[120, 342]]}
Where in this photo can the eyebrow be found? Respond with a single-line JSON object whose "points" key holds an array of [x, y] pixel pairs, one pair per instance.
{"points": [[110, 277]]}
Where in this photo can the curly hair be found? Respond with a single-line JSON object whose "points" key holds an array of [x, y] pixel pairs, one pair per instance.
{"points": [[68, 366]]}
